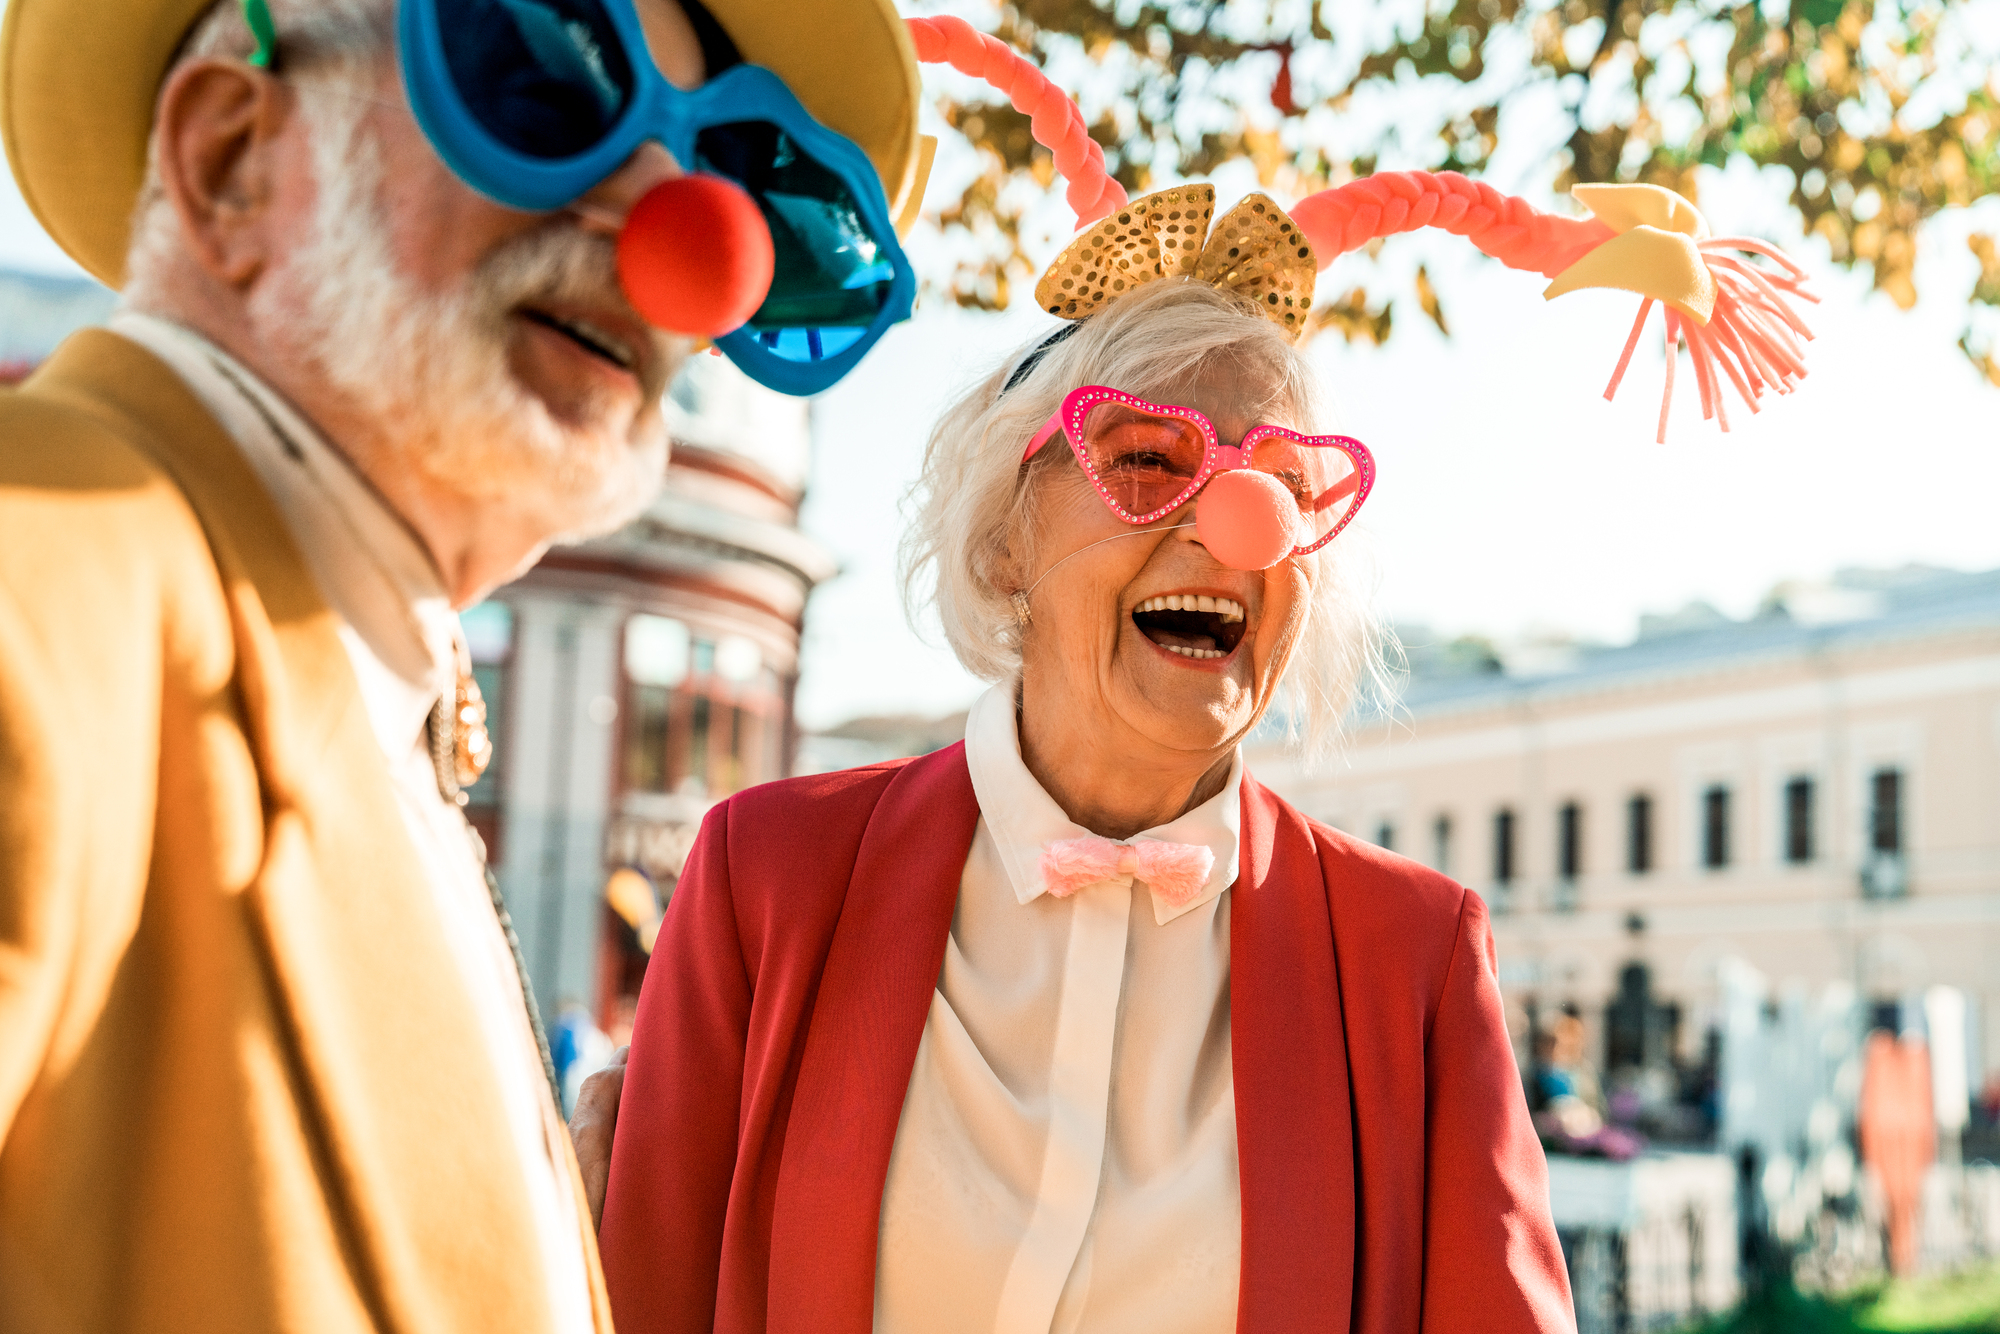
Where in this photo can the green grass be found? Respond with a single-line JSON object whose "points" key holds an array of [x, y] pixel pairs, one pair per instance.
{"points": [[1961, 1304]]}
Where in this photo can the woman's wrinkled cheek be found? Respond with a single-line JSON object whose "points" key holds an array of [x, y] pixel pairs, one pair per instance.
{"points": [[1287, 597]]}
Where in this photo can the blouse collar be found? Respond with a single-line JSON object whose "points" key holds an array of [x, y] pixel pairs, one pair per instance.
{"points": [[1022, 817]]}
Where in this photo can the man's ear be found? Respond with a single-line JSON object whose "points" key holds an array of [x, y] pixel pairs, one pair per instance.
{"points": [[218, 124]]}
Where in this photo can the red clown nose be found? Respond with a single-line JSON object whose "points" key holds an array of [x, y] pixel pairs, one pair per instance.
{"points": [[695, 256], [1246, 519]]}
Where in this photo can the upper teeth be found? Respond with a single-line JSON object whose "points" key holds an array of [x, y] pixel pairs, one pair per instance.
{"points": [[1226, 608]]}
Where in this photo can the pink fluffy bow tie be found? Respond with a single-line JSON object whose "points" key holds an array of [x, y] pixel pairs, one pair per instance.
{"points": [[1177, 872]]}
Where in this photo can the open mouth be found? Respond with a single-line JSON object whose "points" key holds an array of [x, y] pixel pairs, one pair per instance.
{"points": [[1191, 624], [599, 342]]}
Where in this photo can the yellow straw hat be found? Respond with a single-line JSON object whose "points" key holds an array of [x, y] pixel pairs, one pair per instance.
{"points": [[79, 80]]}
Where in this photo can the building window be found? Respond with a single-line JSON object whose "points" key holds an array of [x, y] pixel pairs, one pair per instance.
{"points": [[1503, 847], [1883, 873], [1569, 841], [1715, 827], [1799, 821], [742, 749], [648, 728], [656, 665], [738, 659], [698, 740], [1569, 856], [1385, 836], [704, 714], [1441, 844], [1639, 834], [1885, 812]]}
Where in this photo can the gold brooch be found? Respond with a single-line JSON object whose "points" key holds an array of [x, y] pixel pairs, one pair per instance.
{"points": [[471, 743], [460, 745]]}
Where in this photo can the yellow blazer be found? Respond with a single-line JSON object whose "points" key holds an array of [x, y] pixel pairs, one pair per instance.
{"points": [[239, 1089]]}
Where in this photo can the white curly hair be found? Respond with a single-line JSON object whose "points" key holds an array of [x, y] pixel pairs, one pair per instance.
{"points": [[974, 502]]}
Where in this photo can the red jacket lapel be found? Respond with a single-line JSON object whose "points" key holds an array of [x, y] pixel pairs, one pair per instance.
{"points": [[1294, 1126], [881, 971]]}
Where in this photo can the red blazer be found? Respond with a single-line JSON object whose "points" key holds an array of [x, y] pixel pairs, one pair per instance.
{"points": [[1391, 1180]]}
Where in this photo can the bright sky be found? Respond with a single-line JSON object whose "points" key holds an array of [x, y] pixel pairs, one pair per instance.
{"points": [[1511, 496]]}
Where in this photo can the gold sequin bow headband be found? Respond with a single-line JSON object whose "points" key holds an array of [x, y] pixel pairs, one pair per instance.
{"points": [[1255, 250]]}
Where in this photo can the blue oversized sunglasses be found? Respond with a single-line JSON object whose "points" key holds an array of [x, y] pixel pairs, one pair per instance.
{"points": [[533, 102]]}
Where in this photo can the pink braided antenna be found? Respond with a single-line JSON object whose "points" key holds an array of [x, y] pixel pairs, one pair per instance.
{"points": [[1753, 336], [1055, 119], [1511, 230]]}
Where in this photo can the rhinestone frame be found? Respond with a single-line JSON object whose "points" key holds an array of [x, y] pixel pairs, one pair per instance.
{"points": [[1217, 457]]}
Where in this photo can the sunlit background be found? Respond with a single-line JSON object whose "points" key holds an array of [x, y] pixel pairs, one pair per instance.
{"points": [[1713, 724]]}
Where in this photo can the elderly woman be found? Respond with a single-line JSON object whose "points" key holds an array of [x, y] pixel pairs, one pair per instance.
{"points": [[1075, 1026]]}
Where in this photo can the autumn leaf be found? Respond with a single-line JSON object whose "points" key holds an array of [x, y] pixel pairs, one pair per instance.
{"points": [[1428, 299]]}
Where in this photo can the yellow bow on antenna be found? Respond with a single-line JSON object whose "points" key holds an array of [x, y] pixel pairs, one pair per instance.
{"points": [[1657, 251]]}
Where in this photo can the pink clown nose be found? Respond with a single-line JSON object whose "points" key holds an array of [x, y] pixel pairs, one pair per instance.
{"points": [[1246, 519], [695, 256]]}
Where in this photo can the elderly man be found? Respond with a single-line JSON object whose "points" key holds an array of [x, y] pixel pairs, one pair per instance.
{"points": [[266, 1062]]}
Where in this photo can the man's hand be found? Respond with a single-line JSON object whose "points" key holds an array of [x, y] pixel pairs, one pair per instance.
{"points": [[590, 1128]]}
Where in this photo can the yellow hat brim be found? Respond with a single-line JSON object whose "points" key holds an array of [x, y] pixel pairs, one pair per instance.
{"points": [[850, 62], [78, 85]]}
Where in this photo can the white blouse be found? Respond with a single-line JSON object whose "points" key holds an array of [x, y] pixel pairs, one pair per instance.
{"points": [[1066, 1157]]}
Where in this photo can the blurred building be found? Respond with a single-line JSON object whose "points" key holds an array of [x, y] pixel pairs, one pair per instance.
{"points": [[1731, 866], [637, 679], [1813, 793], [875, 738]]}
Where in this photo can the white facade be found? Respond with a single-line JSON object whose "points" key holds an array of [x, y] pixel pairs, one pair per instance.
{"points": [[1821, 798]]}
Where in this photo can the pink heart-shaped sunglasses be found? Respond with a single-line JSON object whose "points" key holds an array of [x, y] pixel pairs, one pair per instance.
{"points": [[1148, 459]]}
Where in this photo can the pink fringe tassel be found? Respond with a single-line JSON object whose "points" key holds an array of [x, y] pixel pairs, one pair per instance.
{"points": [[1754, 337]]}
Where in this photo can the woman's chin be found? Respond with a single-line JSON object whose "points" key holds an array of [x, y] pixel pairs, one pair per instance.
{"points": [[1183, 702]]}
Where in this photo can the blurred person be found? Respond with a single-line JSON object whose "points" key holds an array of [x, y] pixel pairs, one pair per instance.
{"points": [[1075, 1025], [578, 1049], [1571, 1056], [1544, 1082], [1898, 1130], [267, 1060], [1562, 1083], [1568, 1099]]}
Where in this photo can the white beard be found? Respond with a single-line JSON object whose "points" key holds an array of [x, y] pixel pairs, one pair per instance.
{"points": [[427, 373]]}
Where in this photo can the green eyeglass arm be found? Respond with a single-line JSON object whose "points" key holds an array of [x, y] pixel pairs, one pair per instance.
{"points": [[258, 15]]}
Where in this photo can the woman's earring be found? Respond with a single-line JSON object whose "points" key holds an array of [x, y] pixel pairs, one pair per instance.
{"points": [[1022, 613]]}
